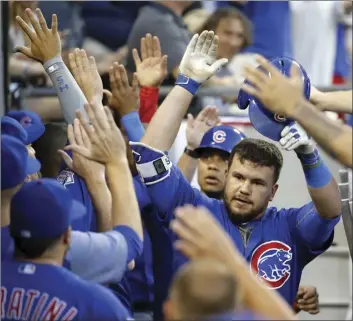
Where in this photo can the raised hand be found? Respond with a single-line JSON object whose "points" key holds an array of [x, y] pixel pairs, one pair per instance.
{"points": [[124, 98], [85, 72], [151, 68], [107, 143], [79, 164], [294, 137], [200, 58], [278, 93], [45, 43], [196, 128]]}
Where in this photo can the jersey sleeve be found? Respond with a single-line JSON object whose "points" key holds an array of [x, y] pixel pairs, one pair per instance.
{"points": [[133, 241], [173, 192], [142, 196], [98, 257], [311, 230]]}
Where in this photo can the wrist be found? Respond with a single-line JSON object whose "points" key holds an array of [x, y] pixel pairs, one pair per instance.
{"points": [[52, 61], [191, 152], [187, 83]]}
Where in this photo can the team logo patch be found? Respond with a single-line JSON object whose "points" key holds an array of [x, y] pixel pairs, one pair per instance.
{"points": [[270, 261], [279, 118], [66, 178], [219, 136], [26, 121]]}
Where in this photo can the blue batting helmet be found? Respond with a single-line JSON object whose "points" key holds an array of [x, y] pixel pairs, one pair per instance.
{"points": [[264, 121], [221, 137]]}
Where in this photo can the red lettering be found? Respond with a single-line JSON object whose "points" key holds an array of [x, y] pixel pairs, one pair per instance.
{"points": [[3, 301], [53, 310], [15, 304], [31, 296], [69, 316], [43, 299]]}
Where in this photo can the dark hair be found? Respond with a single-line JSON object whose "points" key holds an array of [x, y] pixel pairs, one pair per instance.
{"points": [[214, 19], [33, 248], [259, 152]]}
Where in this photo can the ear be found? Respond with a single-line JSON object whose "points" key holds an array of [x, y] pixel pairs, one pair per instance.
{"points": [[67, 236], [274, 190]]}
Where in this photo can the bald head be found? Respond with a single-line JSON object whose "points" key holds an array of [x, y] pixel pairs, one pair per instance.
{"points": [[203, 288]]}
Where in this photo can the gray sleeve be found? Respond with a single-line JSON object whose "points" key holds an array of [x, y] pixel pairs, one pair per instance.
{"points": [[70, 95], [98, 257]]}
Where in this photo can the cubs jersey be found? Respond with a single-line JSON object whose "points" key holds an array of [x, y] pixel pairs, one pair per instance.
{"points": [[47, 292], [277, 246]]}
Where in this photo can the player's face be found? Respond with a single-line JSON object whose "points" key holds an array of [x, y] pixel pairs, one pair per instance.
{"points": [[212, 169], [248, 190], [231, 37]]}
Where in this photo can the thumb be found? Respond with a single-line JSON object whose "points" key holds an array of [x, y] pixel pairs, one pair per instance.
{"points": [[190, 121], [108, 94], [295, 71], [83, 151], [218, 64], [27, 52], [66, 158]]}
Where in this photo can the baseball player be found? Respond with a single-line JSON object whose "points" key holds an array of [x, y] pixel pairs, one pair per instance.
{"points": [[34, 285], [277, 243], [84, 246]]}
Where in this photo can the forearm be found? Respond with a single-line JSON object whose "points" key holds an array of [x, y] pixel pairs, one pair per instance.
{"points": [[337, 101], [70, 95], [102, 202], [187, 166], [266, 302], [125, 210], [334, 137], [165, 124]]}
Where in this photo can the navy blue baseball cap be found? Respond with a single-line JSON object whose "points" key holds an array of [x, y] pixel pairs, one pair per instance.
{"points": [[31, 122], [16, 164], [263, 120], [43, 209], [222, 138]]}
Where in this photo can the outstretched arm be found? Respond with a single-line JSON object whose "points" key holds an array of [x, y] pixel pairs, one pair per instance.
{"points": [[337, 101]]}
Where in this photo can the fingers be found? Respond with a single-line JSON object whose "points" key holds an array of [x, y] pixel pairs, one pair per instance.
{"points": [[112, 81], [78, 61], [267, 66], [110, 118], [123, 76], [187, 248], [284, 132], [108, 93], [85, 139], [135, 82], [192, 44], [84, 61], [251, 90], [208, 42], [102, 124], [218, 64], [164, 65], [117, 76], [35, 23], [79, 150], [136, 57], [295, 71], [26, 51], [157, 51], [42, 22], [74, 68], [26, 29], [90, 130], [54, 24], [255, 76], [190, 121], [212, 52], [66, 158], [71, 135], [143, 49], [149, 45], [77, 133], [201, 41]]}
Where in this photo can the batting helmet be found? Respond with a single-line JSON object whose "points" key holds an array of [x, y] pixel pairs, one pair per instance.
{"points": [[264, 121], [221, 137]]}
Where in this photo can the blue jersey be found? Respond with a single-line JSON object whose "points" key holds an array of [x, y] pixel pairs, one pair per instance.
{"points": [[7, 245], [47, 292], [281, 243]]}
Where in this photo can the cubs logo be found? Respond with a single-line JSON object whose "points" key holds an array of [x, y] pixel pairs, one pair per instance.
{"points": [[270, 261], [66, 177], [26, 121], [219, 136], [279, 118]]}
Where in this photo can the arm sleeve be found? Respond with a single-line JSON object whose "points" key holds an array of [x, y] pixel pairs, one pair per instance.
{"points": [[133, 126], [70, 95], [312, 230], [148, 103], [134, 243], [98, 257]]}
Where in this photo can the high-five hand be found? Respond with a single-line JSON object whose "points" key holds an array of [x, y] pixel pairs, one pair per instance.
{"points": [[151, 68], [200, 58], [85, 72], [108, 144], [45, 43], [196, 128]]}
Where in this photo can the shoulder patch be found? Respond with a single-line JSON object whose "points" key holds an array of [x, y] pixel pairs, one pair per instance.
{"points": [[66, 177]]}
